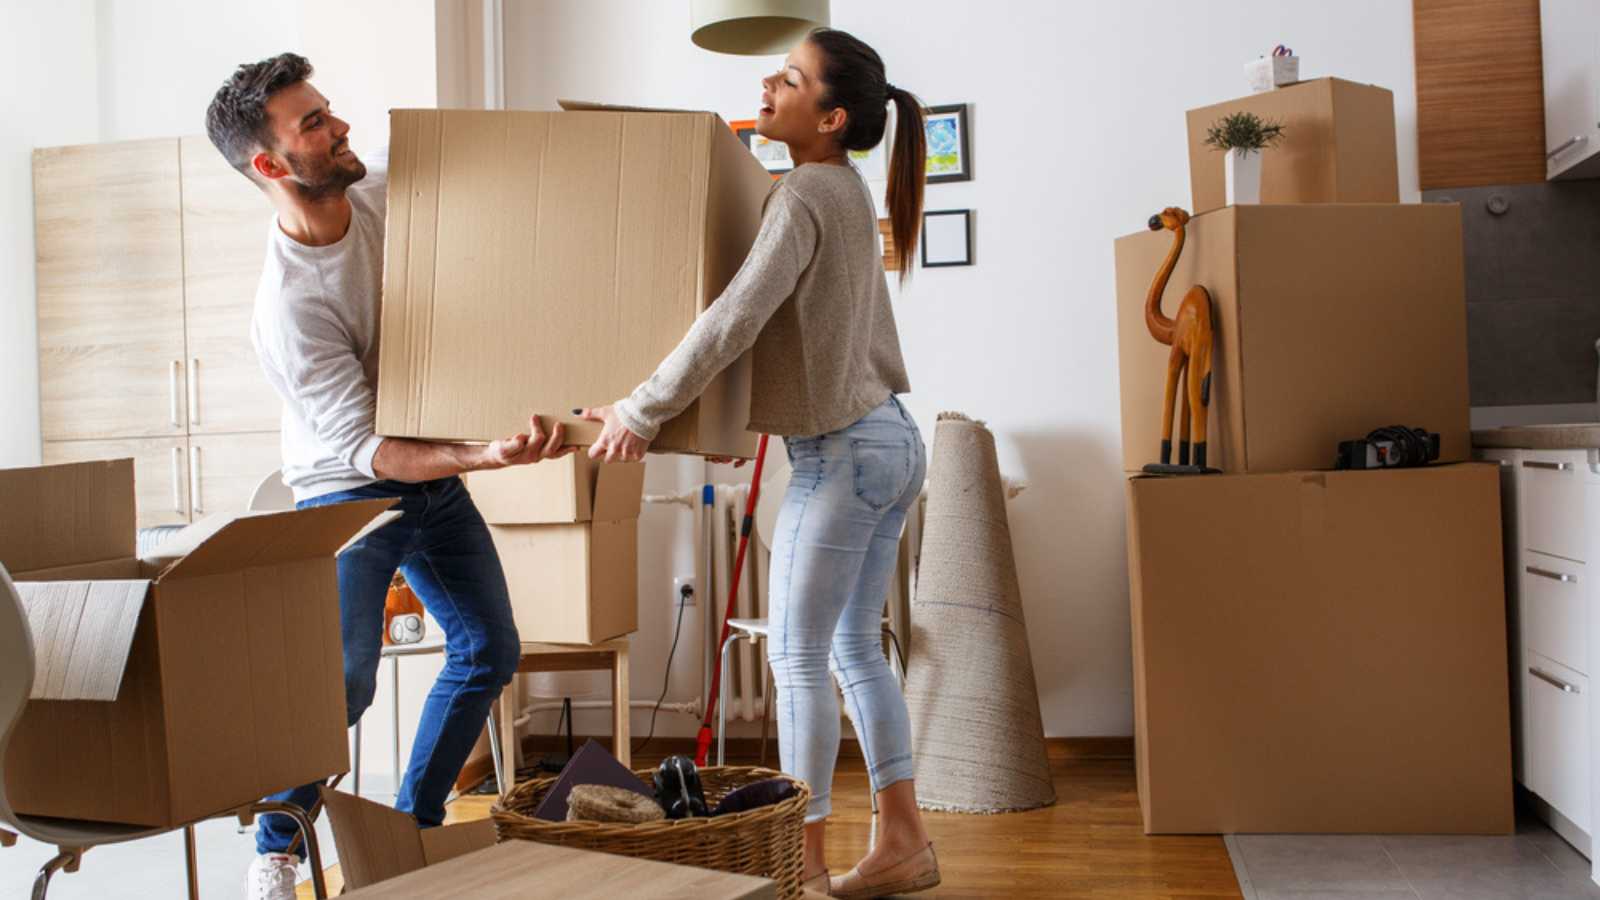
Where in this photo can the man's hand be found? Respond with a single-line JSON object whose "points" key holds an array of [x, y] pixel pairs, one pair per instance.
{"points": [[616, 443], [529, 447]]}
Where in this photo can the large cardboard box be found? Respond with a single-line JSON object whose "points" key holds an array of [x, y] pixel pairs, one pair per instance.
{"points": [[567, 532], [1338, 145], [1321, 652], [1331, 320], [181, 685], [377, 842], [539, 262]]}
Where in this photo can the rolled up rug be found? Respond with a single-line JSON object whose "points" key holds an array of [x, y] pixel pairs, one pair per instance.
{"points": [[976, 730]]}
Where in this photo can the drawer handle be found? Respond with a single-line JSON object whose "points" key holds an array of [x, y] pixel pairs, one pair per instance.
{"points": [[177, 481], [194, 391], [1550, 466], [1567, 145], [1551, 679], [1554, 576], [172, 388]]}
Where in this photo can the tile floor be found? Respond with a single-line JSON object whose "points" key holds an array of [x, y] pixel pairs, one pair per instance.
{"points": [[1533, 864]]}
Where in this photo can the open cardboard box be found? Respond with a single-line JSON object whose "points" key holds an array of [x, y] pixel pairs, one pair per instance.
{"points": [[542, 261], [567, 534], [181, 685], [377, 842]]}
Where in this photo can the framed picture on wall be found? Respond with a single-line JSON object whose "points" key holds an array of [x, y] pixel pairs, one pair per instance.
{"points": [[946, 238], [771, 154], [949, 146]]}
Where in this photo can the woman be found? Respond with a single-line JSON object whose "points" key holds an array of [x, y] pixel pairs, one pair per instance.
{"points": [[812, 299]]}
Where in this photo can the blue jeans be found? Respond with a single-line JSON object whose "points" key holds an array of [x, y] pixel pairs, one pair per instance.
{"points": [[442, 545], [834, 549]]}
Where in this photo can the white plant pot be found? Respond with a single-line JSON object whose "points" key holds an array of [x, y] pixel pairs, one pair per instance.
{"points": [[1242, 176]]}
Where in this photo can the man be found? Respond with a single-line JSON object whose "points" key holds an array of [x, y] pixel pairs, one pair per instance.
{"points": [[315, 329]]}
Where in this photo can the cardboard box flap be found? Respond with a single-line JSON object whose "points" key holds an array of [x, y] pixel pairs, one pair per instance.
{"points": [[82, 632], [226, 542], [56, 516], [451, 841], [375, 842], [592, 106], [618, 491]]}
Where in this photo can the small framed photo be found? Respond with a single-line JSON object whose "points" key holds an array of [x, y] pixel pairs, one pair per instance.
{"points": [[949, 145], [771, 154], [946, 238]]}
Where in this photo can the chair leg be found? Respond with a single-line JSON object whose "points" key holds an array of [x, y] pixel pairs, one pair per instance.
{"points": [[65, 861], [191, 862], [319, 887], [722, 702], [495, 754], [355, 760], [766, 708]]}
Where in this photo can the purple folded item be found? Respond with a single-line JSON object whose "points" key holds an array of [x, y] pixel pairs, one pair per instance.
{"points": [[592, 764], [755, 796]]}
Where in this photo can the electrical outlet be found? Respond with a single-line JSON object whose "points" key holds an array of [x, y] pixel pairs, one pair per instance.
{"points": [[683, 591]]}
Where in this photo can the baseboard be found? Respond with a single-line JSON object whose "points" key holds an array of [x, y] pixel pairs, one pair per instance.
{"points": [[747, 751]]}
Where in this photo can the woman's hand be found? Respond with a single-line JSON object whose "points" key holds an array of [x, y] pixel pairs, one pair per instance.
{"points": [[616, 443], [724, 460]]}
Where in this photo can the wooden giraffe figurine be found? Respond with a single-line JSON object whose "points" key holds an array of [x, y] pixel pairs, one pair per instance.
{"points": [[1190, 336]]}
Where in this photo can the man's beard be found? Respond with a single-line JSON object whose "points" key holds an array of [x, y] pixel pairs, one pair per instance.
{"points": [[323, 177]]}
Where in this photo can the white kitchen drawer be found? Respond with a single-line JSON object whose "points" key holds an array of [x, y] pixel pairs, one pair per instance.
{"points": [[1554, 610], [1558, 737], [1550, 492]]}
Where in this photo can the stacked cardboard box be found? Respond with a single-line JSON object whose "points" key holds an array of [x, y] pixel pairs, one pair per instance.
{"points": [[1315, 651], [567, 534], [543, 261], [159, 697]]}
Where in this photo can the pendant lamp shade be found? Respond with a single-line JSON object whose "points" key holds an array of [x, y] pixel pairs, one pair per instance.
{"points": [[754, 27]]}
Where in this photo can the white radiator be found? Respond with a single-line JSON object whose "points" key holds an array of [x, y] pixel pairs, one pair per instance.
{"points": [[746, 684]]}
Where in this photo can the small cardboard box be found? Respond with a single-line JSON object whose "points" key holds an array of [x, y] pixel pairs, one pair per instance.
{"points": [[179, 686], [1338, 145], [1331, 320], [567, 534], [1321, 652], [377, 842], [538, 262]]}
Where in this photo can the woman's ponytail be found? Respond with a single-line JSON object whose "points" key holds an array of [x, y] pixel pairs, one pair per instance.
{"points": [[908, 172]]}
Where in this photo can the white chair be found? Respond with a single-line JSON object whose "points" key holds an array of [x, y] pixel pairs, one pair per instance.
{"points": [[271, 494], [73, 837]]}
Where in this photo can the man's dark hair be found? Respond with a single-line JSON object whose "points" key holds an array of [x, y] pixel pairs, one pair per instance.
{"points": [[236, 121]]}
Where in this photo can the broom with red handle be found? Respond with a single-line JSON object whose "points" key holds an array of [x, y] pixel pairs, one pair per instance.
{"points": [[703, 740]]}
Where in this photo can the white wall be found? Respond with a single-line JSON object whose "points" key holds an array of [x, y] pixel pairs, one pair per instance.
{"points": [[1078, 136]]}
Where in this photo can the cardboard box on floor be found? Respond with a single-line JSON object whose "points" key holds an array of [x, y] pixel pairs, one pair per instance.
{"points": [[567, 531], [1331, 320], [1321, 652], [1338, 145], [380, 846], [178, 686], [543, 261]]}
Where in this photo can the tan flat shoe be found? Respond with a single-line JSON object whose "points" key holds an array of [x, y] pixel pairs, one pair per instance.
{"points": [[819, 883], [917, 872]]}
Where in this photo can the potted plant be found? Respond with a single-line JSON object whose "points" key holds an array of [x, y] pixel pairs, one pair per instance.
{"points": [[1242, 136]]}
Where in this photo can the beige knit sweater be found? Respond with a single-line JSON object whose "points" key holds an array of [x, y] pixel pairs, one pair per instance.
{"points": [[812, 299]]}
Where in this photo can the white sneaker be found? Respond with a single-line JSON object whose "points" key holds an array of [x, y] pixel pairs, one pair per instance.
{"points": [[272, 877]]}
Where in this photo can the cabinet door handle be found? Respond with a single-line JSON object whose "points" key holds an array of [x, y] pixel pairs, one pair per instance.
{"points": [[194, 479], [1548, 466], [1567, 145], [1554, 576], [172, 387], [1551, 679], [177, 481], [194, 392]]}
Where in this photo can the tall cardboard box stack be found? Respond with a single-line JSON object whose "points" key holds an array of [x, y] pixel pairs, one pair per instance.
{"points": [[161, 683], [542, 261], [567, 532], [1314, 651]]}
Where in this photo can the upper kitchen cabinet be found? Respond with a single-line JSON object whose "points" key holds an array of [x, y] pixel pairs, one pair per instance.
{"points": [[1570, 32]]}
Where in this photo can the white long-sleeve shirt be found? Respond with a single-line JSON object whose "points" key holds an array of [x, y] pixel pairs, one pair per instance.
{"points": [[315, 329]]}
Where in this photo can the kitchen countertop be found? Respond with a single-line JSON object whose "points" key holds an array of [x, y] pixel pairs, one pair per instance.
{"points": [[1579, 436]]}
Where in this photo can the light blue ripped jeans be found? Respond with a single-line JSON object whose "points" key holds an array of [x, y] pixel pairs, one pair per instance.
{"points": [[834, 550]]}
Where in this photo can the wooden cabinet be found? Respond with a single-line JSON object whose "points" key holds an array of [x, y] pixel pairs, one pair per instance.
{"points": [[1570, 39], [1558, 754], [149, 254], [225, 227], [160, 472], [110, 287]]}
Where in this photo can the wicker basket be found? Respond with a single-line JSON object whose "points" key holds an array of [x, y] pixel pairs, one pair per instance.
{"points": [[765, 842]]}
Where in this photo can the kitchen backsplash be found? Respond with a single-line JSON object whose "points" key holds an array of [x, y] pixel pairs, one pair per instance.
{"points": [[1533, 291]]}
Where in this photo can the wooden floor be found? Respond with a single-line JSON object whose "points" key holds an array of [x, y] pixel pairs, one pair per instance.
{"points": [[1090, 844]]}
